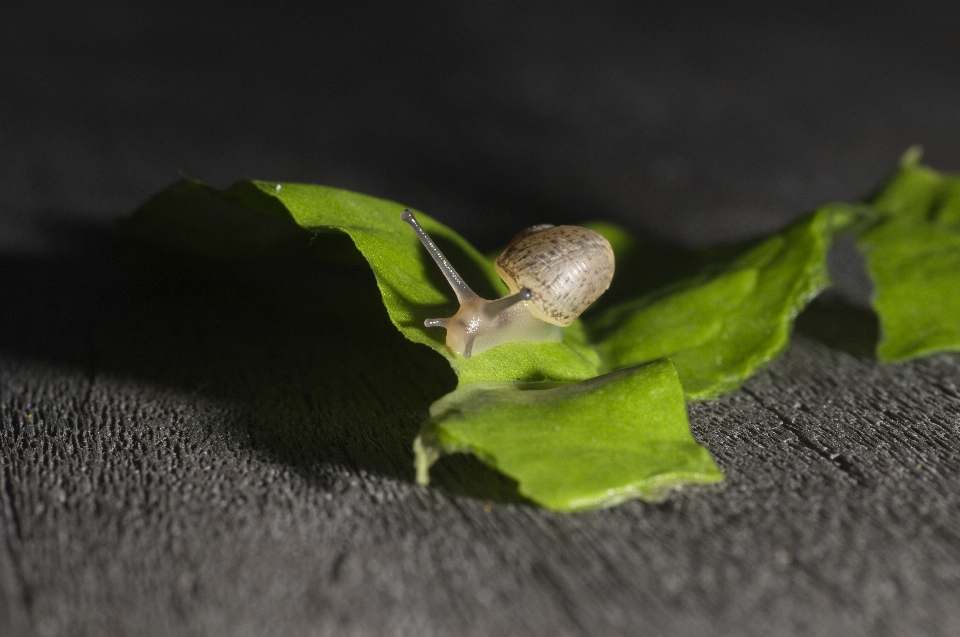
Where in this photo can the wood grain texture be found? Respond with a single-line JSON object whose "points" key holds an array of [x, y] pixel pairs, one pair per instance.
{"points": [[226, 451]]}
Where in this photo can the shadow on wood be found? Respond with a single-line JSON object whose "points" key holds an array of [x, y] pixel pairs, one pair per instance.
{"points": [[841, 326], [299, 349], [464, 474]]}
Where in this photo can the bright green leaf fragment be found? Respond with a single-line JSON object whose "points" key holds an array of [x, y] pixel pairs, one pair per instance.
{"points": [[720, 328], [915, 267], [913, 257], [920, 193], [583, 445]]}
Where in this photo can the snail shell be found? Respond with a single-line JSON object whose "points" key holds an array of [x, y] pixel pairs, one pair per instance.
{"points": [[566, 268]]}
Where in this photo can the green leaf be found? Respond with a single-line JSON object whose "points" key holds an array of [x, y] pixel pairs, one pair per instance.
{"points": [[913, 257], [915, 267], [919, 193], [721, 326], [582, 445]]}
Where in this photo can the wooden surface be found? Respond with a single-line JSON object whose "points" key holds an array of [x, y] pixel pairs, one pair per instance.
{"points": [[227, 452]]}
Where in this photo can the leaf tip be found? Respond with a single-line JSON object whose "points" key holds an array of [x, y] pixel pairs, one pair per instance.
{"points": [[911, 157]]}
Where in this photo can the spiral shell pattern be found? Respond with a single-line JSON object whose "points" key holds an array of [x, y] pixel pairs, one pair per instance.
{"points": [[566, 269]]}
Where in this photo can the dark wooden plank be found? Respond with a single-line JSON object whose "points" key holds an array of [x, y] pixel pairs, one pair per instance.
{"points": [[14, 609]]}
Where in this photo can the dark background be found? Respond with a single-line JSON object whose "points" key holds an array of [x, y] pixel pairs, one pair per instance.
{"points": [[179, 456]]}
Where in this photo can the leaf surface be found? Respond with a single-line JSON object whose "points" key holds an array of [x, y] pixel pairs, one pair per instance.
{"points": [[919, 193], [719, 327], [915, 267], [913, 258], [581, 445]]}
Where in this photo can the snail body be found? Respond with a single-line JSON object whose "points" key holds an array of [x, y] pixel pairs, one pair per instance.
{"points": [[553, 272]]}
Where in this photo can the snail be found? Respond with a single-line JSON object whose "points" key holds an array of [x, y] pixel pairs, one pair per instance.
{"points": [[553, 272]]}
